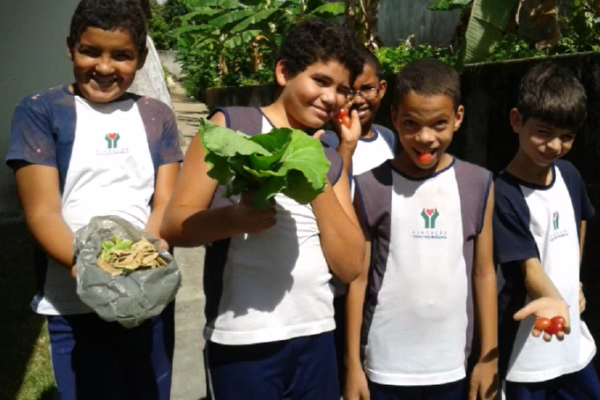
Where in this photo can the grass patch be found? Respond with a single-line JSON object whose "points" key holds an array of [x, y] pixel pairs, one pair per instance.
{"points": [[25, 369]]}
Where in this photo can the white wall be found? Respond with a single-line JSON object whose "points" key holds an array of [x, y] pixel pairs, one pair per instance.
{"points": [[32, 57]]}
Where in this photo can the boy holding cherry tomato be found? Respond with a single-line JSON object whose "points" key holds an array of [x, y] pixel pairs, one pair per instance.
{"points": [[428, 275], [361, 150], [541, 207]]}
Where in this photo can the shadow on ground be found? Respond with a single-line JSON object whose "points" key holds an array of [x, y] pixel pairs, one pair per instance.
{"points": [[20, 326]]}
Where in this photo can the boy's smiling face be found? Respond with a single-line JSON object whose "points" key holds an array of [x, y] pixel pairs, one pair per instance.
{"points": [[426, 125], [105, 63], [313, 96], [540, 142], [372, 90]]}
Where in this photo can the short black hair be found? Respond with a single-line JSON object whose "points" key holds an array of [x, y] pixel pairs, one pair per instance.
{"points": [[109, 15], [316, 39], [427, 77], [371, 60], [552, 94]]}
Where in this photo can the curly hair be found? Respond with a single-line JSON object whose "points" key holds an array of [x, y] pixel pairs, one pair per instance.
{"points": [[314, 40], [554, 95], [427, 77], [108, 15]]}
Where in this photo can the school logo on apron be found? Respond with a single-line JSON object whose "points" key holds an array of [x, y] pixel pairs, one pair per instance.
{"points": [[112, 146], [429, 216], [428, 230], [555, 220], [112, 139]]}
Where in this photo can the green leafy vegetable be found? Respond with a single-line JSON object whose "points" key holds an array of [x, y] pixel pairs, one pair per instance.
{"points": [[284, 161]]}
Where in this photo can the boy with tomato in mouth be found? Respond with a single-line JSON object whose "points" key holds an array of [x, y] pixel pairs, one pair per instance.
{"points": [[87, 149], [539, 230], [269, 301], [429, 275]]}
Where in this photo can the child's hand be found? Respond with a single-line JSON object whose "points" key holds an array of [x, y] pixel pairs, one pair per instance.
{"points": [[348, 135], [546, 307], [581, 299], [356, 385], [484, 380], [251, 219]]}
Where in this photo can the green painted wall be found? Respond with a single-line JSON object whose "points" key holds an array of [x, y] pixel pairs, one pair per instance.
{"points": [[33, 57]]}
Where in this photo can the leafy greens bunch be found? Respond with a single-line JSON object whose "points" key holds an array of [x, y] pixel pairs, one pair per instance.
{"points": [[284, 161]]}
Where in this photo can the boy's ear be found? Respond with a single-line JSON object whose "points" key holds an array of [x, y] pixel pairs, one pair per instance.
{"points": [[281, 74], [142, 58], [382, 88], [516, 120], [459, 117]]}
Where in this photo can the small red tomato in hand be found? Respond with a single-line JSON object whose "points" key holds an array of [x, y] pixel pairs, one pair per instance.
{"points": [[541, 324], [343, 117], [425, 158], [557, 324], [346, 121]]}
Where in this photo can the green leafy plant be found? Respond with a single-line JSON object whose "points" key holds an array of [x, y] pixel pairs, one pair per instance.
{"points": [[448, 5], [284, 161], [392, 59], [230, 42]]}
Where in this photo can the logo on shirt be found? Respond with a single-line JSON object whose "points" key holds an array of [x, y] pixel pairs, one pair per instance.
{"points": [[430, 216], [555, 219], [112, 139], [557, 232]]}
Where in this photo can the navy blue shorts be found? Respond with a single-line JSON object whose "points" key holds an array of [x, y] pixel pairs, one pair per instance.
{"points": [[447, 391], [94, 359], [297, 369], [582, 385]]}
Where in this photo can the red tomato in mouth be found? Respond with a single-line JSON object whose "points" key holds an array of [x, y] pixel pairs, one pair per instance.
{"points": [[425, 158], [541, 324]]}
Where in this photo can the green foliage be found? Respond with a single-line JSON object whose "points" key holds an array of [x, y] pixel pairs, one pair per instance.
{"points": [[284, 161], [392, 59], [165, 18], [447, 5], [230, 42]]}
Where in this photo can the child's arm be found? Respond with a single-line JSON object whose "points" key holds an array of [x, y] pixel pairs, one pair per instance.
{"points": [[356, 381], [341, 239], [484, 377], [188, 221], [582, 301], [38, 187], [538, 286], [165, 183]]}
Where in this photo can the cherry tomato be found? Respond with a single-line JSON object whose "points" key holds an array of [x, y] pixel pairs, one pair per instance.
{"points": [[343, 113], [557, 324], [425, 158], [346, 121], [541, 324]]}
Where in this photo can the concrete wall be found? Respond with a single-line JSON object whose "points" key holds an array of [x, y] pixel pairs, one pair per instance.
{"points": [[398, 19], [33, 54]]}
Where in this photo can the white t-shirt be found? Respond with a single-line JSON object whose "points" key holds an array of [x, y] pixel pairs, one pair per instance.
{"points": [[107, 156], [541, 222], [270, 286], [418, 317]]}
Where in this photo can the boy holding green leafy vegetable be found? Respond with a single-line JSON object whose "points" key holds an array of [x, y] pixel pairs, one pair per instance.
{"points": [[90, 149], [270, 254]]}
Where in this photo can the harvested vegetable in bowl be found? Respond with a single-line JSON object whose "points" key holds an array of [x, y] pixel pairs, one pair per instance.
{"points": [[124, 257]]}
